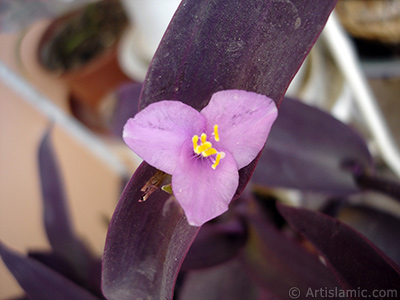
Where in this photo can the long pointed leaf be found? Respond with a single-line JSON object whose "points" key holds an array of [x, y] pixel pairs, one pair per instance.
{"points": [[308, 149], [127, 106], [241, 44], [215, 45], [55, 211], [40, 282], [59, 229], [280, 264], [215, 244], [357, 263], [223, 282], [379, 227], [210, 45], [146, 243]]}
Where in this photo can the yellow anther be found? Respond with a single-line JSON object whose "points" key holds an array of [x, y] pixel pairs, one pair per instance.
{"points": [[203, 147], [195, 139], [209, 152], [203, 138], [216, 135], [217, 160], [206, 149]]}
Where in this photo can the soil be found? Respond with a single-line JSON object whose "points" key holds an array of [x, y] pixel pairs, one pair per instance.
{"points": [[83, 35]]}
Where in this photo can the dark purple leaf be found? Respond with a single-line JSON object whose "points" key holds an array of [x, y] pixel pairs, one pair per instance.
{"points": [[280, 264], [92, 272], [218, 45], [54, 262], [356, 262], [332, 206], [57, 222], [20, 298], [308, 149], [222, 282], [146, 243], [39, 281], [215, 244], [127, 106], [379, 227], [375, 183], [209, 46], [55, 212]]}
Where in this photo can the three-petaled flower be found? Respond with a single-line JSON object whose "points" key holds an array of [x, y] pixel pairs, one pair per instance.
{"points": [[203, 151]]}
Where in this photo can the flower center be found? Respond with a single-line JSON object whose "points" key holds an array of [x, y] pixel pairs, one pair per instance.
{"points": [[206, 149]]}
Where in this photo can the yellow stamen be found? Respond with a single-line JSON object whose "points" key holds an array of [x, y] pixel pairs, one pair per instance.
{"points": [[217, 160], [216, 135], [206, 149], [209, 152], [195, 139], [203, 138], [203, 147]]}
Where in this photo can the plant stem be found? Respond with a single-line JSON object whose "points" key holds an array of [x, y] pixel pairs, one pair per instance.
{"points": [[375, 183]]}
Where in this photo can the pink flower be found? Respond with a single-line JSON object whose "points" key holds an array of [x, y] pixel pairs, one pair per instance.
{"points": [[203, 151]]}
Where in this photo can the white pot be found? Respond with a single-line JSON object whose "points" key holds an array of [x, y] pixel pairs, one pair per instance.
{"points": [[149, 20]]}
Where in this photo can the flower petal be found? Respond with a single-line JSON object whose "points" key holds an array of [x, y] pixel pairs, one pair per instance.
{"points": [[204, 193], [157, 133], [244, 120]]}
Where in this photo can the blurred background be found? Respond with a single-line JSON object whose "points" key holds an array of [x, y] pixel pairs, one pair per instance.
{"points": [[65, 64]]}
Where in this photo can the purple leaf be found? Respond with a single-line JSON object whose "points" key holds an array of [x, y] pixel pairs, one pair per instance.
{"points": [[56, 263], [377, 226], [222, 282], [278, 263], [248, 45], [90, 280], [20, 298], [127, 106], [40, 282], [374, 183], [356, 262], [146, 243], [215, 244], [55, 212], [210, 46], [57, 222], [308, 149]]}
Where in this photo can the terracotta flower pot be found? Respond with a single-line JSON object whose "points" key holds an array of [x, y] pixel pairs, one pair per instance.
{"points": [[88, 81], [95, 80]]}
